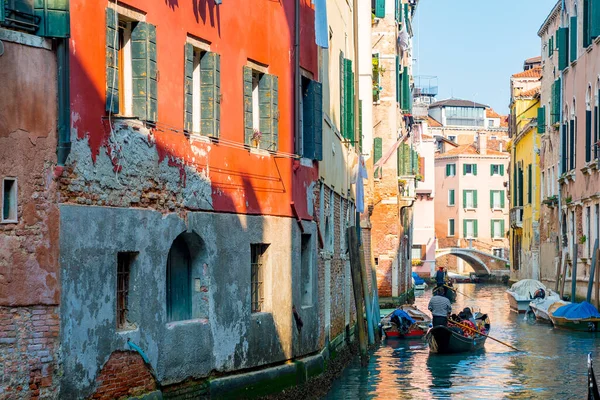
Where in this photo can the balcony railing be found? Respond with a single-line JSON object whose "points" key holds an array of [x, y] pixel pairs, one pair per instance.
{"points": [[516, 217]]}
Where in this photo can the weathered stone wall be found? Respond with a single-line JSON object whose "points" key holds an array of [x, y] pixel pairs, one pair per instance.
{"points": [[224, 337], [28, 352], [29, 287]]}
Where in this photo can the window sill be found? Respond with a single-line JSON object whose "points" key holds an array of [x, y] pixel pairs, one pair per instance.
{"points": [[573, 63], [194, 137], [260, 152], [498, 239], [497, 209], [197, 321], [589, 48], [9, 221], [306, 162], [451, 205], [128, 331], [470, 209]]}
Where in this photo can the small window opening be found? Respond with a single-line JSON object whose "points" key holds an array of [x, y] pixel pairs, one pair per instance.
{"points": [[256, 77], [306, 270], [124, 265], [179, 285], [258, 256], [9, 200]]}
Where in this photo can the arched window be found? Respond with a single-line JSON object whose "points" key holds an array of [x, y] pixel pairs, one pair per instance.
{"points": [[596, 120], [573, 45], [573, 137], [179, 282]]}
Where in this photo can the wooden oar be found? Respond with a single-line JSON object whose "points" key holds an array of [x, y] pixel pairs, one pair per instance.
{"points": [[454, 290], [482, 334]]}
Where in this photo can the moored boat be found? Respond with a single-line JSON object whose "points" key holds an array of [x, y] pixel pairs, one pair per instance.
{"points": [[450, 294], [452, 339], [406, 322], [521, 293], [593, 393], [582, 317], [418, 282], [540, 307]]}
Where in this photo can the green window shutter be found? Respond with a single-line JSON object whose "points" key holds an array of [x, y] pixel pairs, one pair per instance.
{"points": [[475, 229], [491, 169], [342, 96], [405, 91], [501, 169], [588, 136], [596, 130], [398, 10], [54, 18], [268, 88], [563, 48], [447, 169], [464, 233], [349, 93], [573, 45], [594, 18], [2, 11], [188, 84], [210, 94], [450, 227], [502, 228], [475, 198], [464, 199], [464, 169], [377, 149], [572, 144], [474, 169], [380, 8], [144, 71], [587, 39], [492, 198], [112, 62], [313, 121], [451, 197], [502, 198], [541, 119], [492, 228], [248, 122]]}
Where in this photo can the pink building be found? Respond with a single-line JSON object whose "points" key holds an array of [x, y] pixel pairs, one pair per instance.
{"points": [[424, 240], [471, 206]]}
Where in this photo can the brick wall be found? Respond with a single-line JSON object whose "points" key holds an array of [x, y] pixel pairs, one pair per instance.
{"points": [[338, 260], [28, 345], [124, 375]]}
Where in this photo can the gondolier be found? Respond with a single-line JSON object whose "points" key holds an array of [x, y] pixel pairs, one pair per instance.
{"points": [[440, 308], [440, 279]]}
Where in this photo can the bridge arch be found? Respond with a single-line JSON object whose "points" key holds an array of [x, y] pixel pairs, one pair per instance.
{"points": [[471, 256]]}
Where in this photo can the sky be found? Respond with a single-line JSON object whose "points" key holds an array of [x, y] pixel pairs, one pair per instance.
{"points": [[474, 46]]}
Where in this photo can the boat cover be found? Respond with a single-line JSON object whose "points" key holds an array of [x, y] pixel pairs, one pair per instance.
{"points": [[577, 311], [403, 314], [543, 304], [526, 288], [418, 279]]}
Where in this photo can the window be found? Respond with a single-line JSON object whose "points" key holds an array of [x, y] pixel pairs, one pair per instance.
{"points": [[306, 270], [451, 227], [202, 89], [496, 199], [469, 169], [529, 184], [42, 17], [450, 169], [124, 261], [493, 138], [9, 200], [452, 138], [492, 122], [131, 67], [179, 286], [497, 226], [257, 254], [498, 252], [497, 169], [416, 252], [376, 77], [261, 110], [543, 185], [469, 198], [470, 228], [451, 200], [311, 109]]}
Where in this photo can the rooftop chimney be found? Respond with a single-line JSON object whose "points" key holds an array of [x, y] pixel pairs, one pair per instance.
{"points": [[482, 143]]}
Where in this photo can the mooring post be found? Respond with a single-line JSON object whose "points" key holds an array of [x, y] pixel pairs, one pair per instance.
{"points": [[592, 273], [574, 273], [358, 295]]}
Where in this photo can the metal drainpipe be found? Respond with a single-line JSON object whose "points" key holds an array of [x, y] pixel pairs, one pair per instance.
{"points": [[297, 81], [64, 102]]}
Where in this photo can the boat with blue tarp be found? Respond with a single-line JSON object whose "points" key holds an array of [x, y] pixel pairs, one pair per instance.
{"points": [[582, 317]]}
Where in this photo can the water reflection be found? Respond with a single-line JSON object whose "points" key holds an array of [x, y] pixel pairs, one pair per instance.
{"points": [[552, 366]]}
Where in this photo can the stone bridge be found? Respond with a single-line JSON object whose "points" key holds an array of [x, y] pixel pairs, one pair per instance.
{"points": [[475, 258]]}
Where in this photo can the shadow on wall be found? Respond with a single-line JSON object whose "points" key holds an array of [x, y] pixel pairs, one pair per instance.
{"points": [[204, 9], [172, 4]]}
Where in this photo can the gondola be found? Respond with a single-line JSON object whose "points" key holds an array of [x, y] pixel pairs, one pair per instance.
{"points": [[451, 340], [592, 384], [412, 325], [450, 294]]}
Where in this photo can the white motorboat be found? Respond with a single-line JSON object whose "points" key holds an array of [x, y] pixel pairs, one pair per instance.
{"points": [[540, 306], [521, 293]]}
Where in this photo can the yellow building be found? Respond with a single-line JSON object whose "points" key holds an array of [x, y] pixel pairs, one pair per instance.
{"points": [[526, 121]]}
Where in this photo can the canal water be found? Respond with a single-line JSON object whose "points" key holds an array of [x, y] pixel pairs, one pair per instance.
{"points": [[553, 364]]}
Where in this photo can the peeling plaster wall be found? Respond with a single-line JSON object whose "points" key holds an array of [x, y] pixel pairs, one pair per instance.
{"points": [[230, 338]]}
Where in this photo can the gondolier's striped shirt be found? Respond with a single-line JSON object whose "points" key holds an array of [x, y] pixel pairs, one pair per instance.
{"points": [[440, 306]]}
